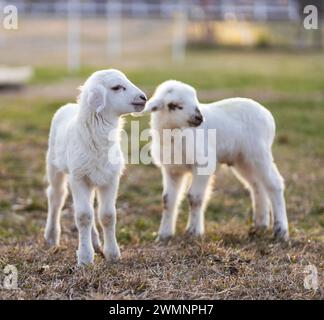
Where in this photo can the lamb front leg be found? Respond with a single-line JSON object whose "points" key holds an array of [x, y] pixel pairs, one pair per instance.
{"points": [[84, 217], [107, 214], [198, 197], [172, 191]]}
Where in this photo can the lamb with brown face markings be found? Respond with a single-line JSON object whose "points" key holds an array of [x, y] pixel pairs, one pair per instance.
{"points": [[180, 108], [245, 133]]}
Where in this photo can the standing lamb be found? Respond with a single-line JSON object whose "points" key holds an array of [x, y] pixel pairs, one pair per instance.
{"points": [[245, 133], [84, 146]]}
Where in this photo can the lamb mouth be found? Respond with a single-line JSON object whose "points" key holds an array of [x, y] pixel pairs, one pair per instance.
{"points": [[138, 106], [194, 123]]}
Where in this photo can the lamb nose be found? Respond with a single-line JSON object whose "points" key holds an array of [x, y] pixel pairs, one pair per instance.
{"points": [[143, 97], [199, 118]]}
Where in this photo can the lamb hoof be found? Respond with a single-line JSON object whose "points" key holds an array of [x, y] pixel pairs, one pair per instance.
{"points": [[281, 234], [97, 248], [51, 242], [259, 231], [85, 259], [194, 233], [99, 251], [163, 238], [112, 255]]}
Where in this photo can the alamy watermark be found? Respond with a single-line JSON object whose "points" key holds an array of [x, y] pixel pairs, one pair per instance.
{"points": [[311, 278], [10, 279], [186, 146], [311, 20], [9, 17]]}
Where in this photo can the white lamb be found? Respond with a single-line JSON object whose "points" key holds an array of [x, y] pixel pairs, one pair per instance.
{"points": [[82, 139], [245, 133]]}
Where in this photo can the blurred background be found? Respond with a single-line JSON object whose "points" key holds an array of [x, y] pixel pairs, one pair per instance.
{"points": [[255, 49], [77, 32]]}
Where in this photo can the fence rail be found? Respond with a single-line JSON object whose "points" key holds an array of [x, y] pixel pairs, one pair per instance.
{"points": [[256, 10]]}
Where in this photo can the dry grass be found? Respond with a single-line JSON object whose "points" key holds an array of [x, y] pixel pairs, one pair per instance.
{"points": [[235, 267]]}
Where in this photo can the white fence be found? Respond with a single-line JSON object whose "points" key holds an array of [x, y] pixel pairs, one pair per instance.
{"points": [[112, 13], [255, 10]]}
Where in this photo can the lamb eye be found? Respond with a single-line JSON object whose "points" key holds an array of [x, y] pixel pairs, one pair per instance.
{"points": [[118, 87], [174, 106]]}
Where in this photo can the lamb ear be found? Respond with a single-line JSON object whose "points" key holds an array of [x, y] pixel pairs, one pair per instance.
{"points": [[96, 99], [153, 105]]}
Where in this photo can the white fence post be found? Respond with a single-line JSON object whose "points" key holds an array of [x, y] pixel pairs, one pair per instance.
{"points": [[2, 31], [73, 35], [293, 13], [260, 11], [180, 33], [114, 9]]}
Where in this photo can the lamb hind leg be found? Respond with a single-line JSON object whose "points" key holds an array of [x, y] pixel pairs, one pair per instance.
{"points": [[261, 207], [260, 201], [275, 187], [96, 239], [56, 194], [94, 232]]}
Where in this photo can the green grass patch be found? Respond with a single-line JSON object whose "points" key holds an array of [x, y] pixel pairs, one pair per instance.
{"points": [[281, 71]]}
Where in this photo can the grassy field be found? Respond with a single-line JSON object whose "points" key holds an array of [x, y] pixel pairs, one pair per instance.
{"points": [[228, 263]]}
